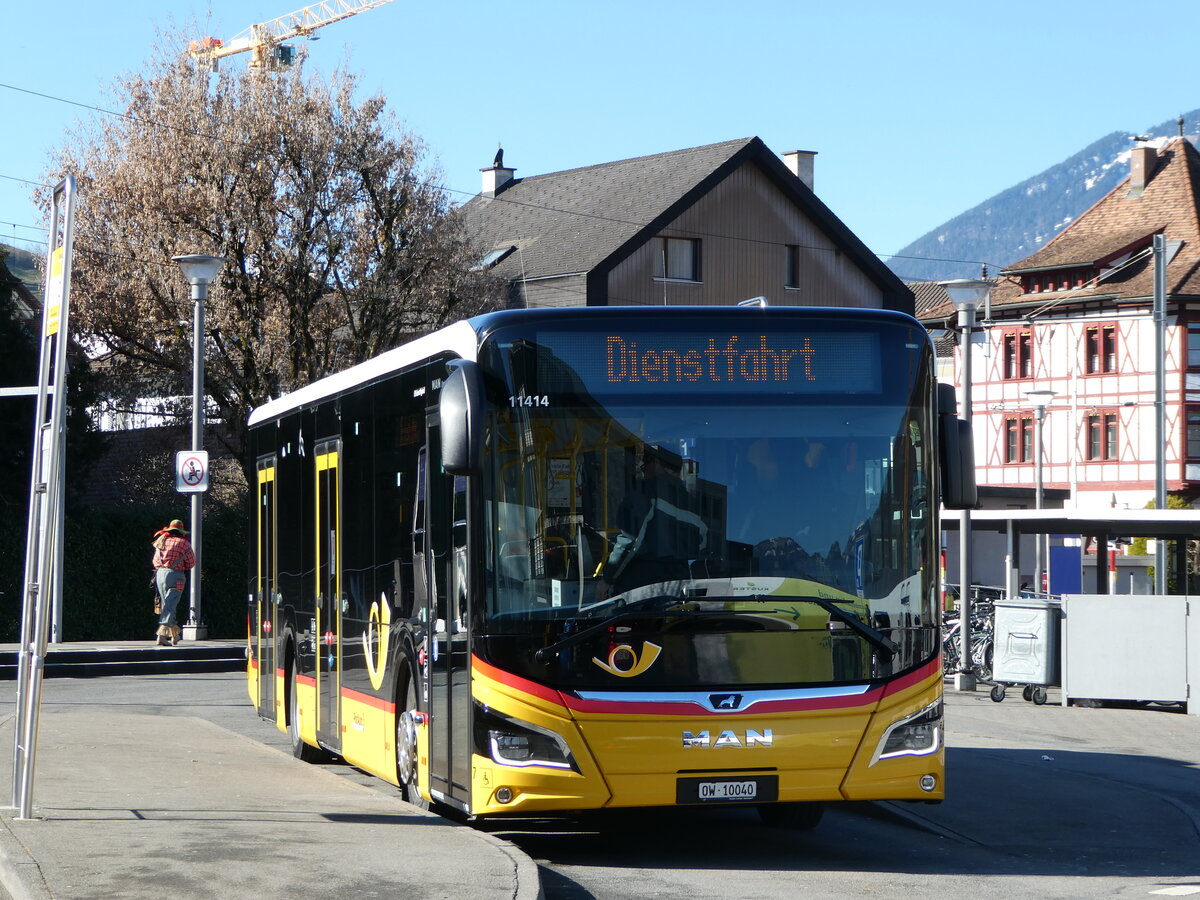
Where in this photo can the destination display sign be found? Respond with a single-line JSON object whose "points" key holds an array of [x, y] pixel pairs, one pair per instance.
{"points": [[617, 361]]}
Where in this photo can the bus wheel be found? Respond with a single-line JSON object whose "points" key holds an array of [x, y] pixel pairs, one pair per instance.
{"points": [[300, 750], [406, 742], [796, 816]]}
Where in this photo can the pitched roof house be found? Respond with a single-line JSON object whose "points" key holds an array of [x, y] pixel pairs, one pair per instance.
{"points": [[1075, 318], [716, 224]]}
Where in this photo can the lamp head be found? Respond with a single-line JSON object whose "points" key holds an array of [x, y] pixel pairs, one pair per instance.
{"points": [[966, 293], [200, 268], [1039, 398]]}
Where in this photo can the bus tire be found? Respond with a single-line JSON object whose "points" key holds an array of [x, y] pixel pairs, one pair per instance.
{"points": [[407, 759], [793, 816], [302, 751]]}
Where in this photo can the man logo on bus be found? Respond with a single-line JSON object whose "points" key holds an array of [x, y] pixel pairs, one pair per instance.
{"points": [[624, 663], [378, 624]]}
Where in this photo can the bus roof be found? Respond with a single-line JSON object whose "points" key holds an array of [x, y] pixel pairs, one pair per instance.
{"points": [[463, 338]]}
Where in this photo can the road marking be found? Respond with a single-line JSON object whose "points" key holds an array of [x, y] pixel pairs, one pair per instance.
{"points": [[1179, 890]]}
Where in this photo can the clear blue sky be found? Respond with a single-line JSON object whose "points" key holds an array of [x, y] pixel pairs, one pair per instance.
{"points": [[917, 110]]}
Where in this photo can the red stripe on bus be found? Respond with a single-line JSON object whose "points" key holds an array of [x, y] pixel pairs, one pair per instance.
{"points": [[516, 682], [307, 680], [360, 697], [694, 709], [916, 676]]}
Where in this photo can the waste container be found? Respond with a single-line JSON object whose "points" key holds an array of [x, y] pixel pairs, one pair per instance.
{"points": [[1025, 649]]}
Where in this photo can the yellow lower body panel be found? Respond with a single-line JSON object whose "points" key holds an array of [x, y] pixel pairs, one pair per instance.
{"points": [[623, 760], [369, 736], [280, 702], [531, 789], [898, 777]]}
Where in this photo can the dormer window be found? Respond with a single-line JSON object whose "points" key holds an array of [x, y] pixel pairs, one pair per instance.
{"points": [[1056, 280]]}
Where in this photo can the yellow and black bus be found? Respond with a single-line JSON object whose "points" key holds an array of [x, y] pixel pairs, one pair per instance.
{"points": [[552, 560]]}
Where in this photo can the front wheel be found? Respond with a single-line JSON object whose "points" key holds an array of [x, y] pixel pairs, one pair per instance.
{"points": [[407, 757], [1038, 695], [795, 816]]}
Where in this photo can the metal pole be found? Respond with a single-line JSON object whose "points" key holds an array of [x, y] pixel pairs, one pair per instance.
{"points": [[1160, 405], [46, 490], [199, 295], [1039, 563], [964, 679]]}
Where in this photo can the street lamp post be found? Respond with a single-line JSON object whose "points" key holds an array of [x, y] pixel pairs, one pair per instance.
{"points": [[967, 295], [200, 270], [1039, 399]]}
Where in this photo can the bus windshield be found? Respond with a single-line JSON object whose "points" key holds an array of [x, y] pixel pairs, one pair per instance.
{"points": [[717, 508]]}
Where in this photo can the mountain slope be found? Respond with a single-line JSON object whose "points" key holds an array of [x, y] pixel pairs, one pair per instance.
{"points": [[23, 266], [1016, 222]]}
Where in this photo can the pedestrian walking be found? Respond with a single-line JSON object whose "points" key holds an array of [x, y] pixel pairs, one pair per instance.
{"points": [[172, 557]]}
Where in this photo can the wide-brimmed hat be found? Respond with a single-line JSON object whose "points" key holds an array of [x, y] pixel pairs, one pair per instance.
{"points": [[176, 525]]}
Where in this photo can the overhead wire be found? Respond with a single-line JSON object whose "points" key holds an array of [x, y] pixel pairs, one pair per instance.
{"points": [[216, 137]]}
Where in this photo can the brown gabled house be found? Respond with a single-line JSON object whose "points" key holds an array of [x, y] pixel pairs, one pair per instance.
{"points": [[708, 225]]}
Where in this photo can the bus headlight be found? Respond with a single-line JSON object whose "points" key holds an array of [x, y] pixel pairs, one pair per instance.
{"points": [[918, 735], [509, 742]]}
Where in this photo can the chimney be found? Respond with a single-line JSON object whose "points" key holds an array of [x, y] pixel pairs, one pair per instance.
{"points": [[800, 162], [497, 177], [1141, 168]]}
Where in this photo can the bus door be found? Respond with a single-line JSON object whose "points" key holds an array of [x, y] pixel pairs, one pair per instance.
{"points": [[448, 685], [329, 593], [266, 598]]}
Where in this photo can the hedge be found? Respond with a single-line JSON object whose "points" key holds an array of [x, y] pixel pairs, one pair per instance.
{"points": [[106, 573]]}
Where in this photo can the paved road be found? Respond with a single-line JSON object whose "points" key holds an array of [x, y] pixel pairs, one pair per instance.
{"points": [[1044, 802], [141, 792]]}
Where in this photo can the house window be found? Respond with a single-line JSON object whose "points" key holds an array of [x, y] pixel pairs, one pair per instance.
{"points": [[1018, 439], [677, 259], [1193, 347], [791, 275], [1102, 436], [1100, 345], [1018, 354], [1193, 432]]}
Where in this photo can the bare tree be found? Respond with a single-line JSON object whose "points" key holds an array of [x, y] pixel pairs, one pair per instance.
{"points": [[338, 244]]}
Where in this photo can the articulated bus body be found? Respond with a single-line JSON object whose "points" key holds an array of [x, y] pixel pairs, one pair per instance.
{"points": [[554, 560]]}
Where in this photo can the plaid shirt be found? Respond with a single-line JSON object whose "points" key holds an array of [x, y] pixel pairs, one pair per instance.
{"points": [[175, 554]]}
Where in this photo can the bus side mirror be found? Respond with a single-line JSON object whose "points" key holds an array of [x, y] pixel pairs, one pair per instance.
{"points": [[957, 456], [460, 412]]}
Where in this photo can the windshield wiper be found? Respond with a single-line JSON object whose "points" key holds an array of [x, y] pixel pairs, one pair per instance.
{"points": [[634, 608], [876, 637]]}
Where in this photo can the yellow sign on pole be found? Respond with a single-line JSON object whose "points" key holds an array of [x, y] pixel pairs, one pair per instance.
{"points": [[54, 291]]}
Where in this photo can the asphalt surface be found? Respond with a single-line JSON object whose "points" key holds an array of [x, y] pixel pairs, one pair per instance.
{"points": [[1071, 791], [149, 806]]}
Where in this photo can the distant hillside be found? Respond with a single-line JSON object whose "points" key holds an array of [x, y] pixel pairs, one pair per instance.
{"points": [[1016, 222], [24, 266]]}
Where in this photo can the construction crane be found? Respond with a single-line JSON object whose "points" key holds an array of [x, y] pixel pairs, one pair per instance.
{"points": [[265, 41]]}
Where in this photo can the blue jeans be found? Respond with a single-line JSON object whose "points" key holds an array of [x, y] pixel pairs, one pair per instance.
{"points": [[170, 584]]}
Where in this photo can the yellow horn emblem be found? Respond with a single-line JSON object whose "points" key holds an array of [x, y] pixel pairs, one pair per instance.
{"points": [[624, 663], [377, 625]]}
